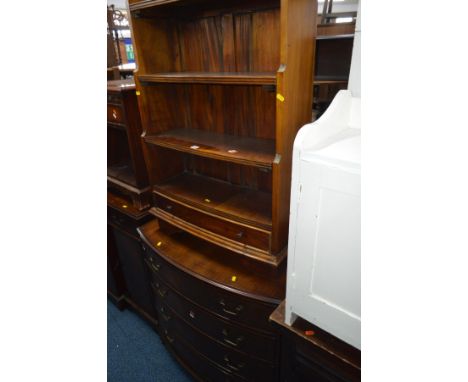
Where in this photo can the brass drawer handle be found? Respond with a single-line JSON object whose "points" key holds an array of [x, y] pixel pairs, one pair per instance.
{"points": [[168, 337], [232, 312], [156, 267], [165, 316], [231, 366], [233, 342], [162, 292]]}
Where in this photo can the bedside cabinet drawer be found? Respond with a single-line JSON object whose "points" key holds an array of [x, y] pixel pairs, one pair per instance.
{"points": [[115, 114], [122, 221], [240, 233], [226, 333], [231, 306], [226, 358]]}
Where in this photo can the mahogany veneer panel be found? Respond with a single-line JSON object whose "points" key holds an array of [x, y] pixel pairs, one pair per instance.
{"points": [[232, 78], [219, 198], [243, 150]]}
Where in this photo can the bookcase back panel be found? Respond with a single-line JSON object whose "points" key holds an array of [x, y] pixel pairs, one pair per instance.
{"points": [[227, 41], [246, 111], [243, 42], [176, 163], [239, 175]]}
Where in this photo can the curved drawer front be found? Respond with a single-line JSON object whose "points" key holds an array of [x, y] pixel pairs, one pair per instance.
{"points": [[225, 332], [196, 362], [225, 357], [229, 305], [240, 233]]}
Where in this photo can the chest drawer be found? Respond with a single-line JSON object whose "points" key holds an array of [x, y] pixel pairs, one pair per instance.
{"points": [[249, 236], [231, 306], [196, 362], [226, 358], [221, 330], [115, 114]]}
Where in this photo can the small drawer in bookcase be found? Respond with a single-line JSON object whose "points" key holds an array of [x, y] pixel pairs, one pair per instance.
{"points": [[240, 233]]}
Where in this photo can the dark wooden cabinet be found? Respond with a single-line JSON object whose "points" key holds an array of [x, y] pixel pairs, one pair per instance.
{"points": [[126, 268], [213, 306], [308, 354], [128, 200], [126, 169], [334, 46]]}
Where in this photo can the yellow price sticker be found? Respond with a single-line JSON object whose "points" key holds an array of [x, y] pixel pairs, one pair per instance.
{"points": [[233, 279], [280, 97]]}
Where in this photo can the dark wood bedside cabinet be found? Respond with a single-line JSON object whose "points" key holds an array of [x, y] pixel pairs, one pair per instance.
{"points": [[308, 354]]}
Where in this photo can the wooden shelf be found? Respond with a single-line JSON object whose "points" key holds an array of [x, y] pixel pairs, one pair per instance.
{"points": [[215, 265], [122, 172], [223, 78], [220, 198], [243, 150]]}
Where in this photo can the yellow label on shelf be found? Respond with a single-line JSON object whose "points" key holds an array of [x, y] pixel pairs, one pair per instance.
{"points": [[137, 92], [234, 278], [280, 97]]}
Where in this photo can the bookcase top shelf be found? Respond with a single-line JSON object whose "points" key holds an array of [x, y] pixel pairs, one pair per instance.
{"points": [[227, 78], [242, 150]]}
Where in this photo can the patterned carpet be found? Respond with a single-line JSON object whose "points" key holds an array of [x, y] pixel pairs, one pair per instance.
{"points": [[135, 353]]}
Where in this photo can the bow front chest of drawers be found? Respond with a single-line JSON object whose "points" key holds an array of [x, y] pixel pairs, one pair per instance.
{"points": [[213, 307]]}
